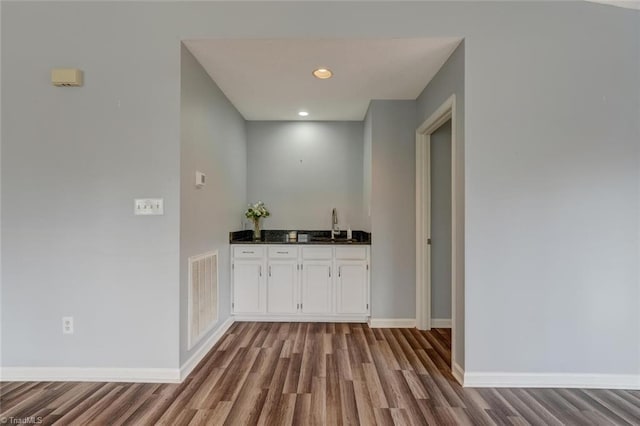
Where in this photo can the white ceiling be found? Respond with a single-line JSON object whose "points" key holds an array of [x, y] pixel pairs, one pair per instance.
{"points": [[272, 80], [629, 4]]}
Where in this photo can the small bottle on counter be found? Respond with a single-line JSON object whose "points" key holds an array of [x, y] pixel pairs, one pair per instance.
{"points": [[349, 233]]}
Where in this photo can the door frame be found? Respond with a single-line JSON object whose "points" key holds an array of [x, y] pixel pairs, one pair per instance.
{"points": [[445, 112]]}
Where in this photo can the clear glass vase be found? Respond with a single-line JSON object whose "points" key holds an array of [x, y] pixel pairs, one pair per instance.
{"points": [[256, 229]]}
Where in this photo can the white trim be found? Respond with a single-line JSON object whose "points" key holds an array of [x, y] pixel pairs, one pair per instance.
{"points": [[82, 374], [299, 318], [552, 380], [458, 373], [423, 231], [198, 355], [445, 112], [441, 322], [392, 323]]}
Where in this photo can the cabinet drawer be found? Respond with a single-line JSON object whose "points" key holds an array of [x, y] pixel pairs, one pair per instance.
{"points": [[316, 253], [248, 252], [351, 253], [283, 252]]}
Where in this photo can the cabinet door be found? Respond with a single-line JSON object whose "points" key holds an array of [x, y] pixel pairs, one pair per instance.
{"points": [[316, 287], [282, 284], [352, 288], [247, 287]]}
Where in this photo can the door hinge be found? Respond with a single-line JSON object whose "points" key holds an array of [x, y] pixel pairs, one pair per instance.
{"points": [[367, 266], [233, 266], [428, 241], [233, 305], [367, 306]]}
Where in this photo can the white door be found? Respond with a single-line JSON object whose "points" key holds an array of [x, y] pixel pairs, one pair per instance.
{"points": [[282, 284], [247, 287], [316, 287], [352, 288]]}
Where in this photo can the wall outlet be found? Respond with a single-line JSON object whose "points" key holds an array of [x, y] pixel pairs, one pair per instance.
{"points": [[67, 325]]}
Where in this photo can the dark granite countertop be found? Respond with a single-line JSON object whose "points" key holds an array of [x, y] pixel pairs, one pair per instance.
{"points": [[278, 236]]}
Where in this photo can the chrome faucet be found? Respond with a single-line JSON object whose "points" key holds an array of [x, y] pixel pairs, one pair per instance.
{"points": [[335, 230]]}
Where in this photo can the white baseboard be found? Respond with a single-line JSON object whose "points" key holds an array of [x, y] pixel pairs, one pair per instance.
{"points": [[440, 322], [392, 322], [552, 380], [82, 374], [458, 373], [299, 318], [191, 363]]}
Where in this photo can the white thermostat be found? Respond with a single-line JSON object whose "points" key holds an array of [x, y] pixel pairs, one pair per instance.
{"points": [[66, 77], [200, 179]]}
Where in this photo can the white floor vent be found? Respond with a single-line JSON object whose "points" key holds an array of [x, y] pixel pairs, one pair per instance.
{"points": [[203, 295]]}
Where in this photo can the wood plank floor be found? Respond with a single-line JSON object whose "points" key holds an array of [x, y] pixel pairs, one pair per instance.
{"points": [[317, 374]]}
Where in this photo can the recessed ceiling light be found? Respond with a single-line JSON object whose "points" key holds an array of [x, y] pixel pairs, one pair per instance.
{"points": [[303, 113], [322, 73]]}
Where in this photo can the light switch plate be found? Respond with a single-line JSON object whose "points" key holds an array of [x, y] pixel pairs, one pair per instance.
{"points": [[148, 206]]}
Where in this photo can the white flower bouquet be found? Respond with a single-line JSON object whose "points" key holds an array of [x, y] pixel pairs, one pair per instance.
{"points": [[255, 212]]}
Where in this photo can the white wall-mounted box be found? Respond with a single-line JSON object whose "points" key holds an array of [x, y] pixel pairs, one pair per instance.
{"points": [[200, 179]]}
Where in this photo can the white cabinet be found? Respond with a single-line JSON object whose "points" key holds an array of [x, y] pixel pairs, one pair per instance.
{"points": [[316, 286], [352, 287], [289, 282], [248, 286], [282, 286]]}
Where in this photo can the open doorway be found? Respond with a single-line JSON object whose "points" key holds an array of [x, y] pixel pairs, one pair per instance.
{"points": [[436, 261]]}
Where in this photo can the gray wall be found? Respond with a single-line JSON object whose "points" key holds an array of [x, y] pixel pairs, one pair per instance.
{"points": [[551, 167], [301, 170], [214, 141], [73, 160], [552, 173], [441, 222], [393, 213], [450, 80]]}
